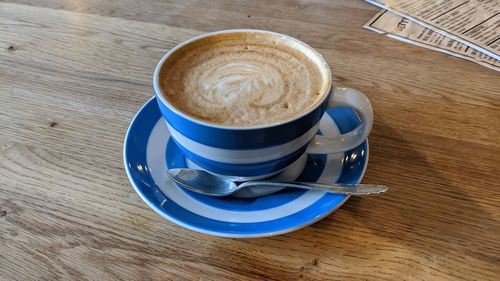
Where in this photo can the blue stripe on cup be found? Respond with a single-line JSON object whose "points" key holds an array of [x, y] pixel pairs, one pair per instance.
{"points": [[243, 170], [240, 138], [246, 156]]}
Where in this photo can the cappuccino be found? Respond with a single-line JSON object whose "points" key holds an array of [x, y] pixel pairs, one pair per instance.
{"points": [[244, 79]]}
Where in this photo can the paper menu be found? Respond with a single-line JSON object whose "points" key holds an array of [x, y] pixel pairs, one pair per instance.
{"points": [[475, 23], [405, 30]]}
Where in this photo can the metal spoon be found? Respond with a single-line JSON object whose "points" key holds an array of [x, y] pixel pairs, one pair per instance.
{"points": [[205, 183]]}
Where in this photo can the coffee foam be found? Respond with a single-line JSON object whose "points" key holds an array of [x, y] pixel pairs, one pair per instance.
{"points": [[244, 79]]}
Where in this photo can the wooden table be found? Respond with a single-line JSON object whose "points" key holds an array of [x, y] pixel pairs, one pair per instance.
{"points": [[74, 73]]}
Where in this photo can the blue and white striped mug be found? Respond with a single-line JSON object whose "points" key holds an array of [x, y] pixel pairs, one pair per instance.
{"points": [[255, 152]]}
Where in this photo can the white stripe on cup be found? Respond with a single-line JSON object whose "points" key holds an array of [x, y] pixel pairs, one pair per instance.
{"points": [[251, 156]]}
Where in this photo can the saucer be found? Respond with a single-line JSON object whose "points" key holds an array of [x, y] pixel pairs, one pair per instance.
{"points": [[261, 211]]}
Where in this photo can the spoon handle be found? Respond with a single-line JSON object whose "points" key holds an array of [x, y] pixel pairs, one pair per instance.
{"points": [[337, 188]]}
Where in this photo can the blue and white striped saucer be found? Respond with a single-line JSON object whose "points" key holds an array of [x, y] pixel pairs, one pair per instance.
{"points": [[149, 151]]}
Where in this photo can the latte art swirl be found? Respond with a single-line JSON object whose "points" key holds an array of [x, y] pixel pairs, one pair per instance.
{"points": [[242, 81], [230, 83]]}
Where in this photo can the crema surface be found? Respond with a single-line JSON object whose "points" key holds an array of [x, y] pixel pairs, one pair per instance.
{"points": [[244, 79]]}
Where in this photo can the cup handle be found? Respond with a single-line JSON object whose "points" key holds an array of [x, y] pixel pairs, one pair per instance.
{"points": [[345, 97]]}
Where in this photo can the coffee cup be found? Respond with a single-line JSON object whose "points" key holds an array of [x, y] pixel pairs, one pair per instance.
{"points": [[246, 104]]}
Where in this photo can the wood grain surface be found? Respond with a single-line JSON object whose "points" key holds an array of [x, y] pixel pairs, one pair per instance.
{"points": [[74, 73]]}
